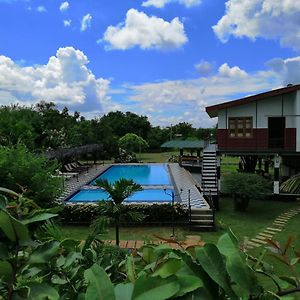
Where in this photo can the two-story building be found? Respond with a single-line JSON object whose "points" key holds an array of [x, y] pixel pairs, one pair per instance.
{"points": [[266, 125]]}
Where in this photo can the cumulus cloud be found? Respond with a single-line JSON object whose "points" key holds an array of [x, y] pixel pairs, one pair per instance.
{"points": [[64, 6], [65, 80], [270, 19], [169, 101], [288, 68], [226, 71], [67, 23], [162, 3], [145, 32], [41, 9], [86, 22], [204, 68]]}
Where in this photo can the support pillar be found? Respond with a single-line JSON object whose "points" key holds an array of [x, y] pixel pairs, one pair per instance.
{"points": [[267, 166], [259, 164], [276, 174], [198, 156]]}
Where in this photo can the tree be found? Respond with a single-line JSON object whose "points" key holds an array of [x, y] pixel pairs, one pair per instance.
{"points": [[118, 192], [132, 142], [23, 171]]}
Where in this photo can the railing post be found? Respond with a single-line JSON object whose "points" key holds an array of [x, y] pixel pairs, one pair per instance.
{"points": [[190, 209]]}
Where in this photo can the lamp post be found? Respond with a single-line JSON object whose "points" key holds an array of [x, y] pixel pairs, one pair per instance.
{"points": [[173, 195]]}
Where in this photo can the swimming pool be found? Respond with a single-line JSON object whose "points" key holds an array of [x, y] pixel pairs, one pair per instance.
{"points": [[143, 174], [149, 195]]}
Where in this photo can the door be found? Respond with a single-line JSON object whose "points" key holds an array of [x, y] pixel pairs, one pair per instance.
{"points": [[276, 127]]}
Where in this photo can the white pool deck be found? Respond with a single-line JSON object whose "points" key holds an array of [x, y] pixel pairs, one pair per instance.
{"points": [[182, 179]]}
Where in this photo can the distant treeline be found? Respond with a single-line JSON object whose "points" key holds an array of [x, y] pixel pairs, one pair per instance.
{"points": [[44, 126]]}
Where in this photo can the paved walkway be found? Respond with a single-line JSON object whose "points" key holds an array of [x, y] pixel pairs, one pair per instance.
{"points": [[184, 180], [276, 227], [76, 182]]}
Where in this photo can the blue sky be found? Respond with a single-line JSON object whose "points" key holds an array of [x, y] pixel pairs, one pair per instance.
{"points": [[166, 59]]}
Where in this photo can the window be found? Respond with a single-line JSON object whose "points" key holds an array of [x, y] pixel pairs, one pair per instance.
{"points": [[240, 127]]}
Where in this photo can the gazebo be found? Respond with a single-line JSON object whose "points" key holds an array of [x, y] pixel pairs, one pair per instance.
{"points": [[189, 160]]}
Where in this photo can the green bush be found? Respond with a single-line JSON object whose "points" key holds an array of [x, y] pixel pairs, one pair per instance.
{"points": [[27, 173], [244, 187], [161, 213]]}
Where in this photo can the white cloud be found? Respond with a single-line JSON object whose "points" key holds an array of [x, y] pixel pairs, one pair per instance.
{"points": [[289, 69], [162, 3], [41, 9], [64, 6], [169, 101], [204, 67], [270, 19], [86, 22], [67, 23], [226, 71], [65, 80], [145, 32]]}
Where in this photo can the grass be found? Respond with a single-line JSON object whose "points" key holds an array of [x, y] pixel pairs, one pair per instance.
{"points": [[260, 214]]}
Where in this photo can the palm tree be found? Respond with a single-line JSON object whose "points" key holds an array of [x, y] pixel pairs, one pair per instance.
{"points": [[118, 192]]}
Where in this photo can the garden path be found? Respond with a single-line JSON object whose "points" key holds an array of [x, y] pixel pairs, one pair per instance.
{"points": [[276, 227]]}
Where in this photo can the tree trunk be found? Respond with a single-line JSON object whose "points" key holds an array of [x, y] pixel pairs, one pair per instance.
{"points": [[117, 231]]}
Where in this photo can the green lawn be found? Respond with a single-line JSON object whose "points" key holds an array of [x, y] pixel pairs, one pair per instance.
{"points": [[260, 214]]}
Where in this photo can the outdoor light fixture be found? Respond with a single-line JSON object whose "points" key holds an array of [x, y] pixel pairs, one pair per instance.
{"points": [[173, 195]]}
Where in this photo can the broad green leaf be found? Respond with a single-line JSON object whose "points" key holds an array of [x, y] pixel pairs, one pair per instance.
{"points": [[30, 272], [99, 284], [130, 268], [124, 291], [190, 267], [149, 288], [69, 243], [3, 251], [148, 254], [44, 253], [294, 260], [58, 280], [71, 258], [236, 265], [167, 268], [13, 229], [42, 291], [291, 280], [188, 284], [6, 271], [212, 262], [38, 218]]}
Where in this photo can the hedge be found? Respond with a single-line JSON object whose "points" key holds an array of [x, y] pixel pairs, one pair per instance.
{"points": [[155, 213]]}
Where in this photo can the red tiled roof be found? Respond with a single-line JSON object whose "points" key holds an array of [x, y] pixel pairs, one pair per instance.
{"points": [[213, 110]]}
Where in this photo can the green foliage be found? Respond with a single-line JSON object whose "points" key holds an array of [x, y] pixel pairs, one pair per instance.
{"points": [[292, 185], [29, 174], [243, 187], [132, 142], [154, 213], [118, 192], [31, 268]]}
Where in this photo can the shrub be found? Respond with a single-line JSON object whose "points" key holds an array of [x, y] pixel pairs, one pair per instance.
{"points": [[27, 173], [243, 187], [160, 213]]}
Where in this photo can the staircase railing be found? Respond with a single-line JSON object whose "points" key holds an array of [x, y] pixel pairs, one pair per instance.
{"points": [[190, 209]]}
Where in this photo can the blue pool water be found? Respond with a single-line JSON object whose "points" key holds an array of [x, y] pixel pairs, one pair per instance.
{"points": [[142, 174], [156, 195]]}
